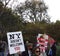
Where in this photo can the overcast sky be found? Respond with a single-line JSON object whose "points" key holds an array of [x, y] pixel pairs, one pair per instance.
{"points": [[53, 9]]}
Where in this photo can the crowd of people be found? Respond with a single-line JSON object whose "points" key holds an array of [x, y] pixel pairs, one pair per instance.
{"points": [[30, 50], [45, 46]]}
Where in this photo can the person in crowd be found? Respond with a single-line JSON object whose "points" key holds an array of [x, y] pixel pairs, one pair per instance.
{"points": [[2, 48], [54, 49], [28, 51], [50, 52], [37, 52]]}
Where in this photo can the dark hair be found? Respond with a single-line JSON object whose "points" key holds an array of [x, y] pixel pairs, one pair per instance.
{"points": [[29, 44], [36, 48]]}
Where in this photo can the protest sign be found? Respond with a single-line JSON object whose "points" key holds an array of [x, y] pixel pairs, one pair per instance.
{"points": [[42, 40], [15, 42]]}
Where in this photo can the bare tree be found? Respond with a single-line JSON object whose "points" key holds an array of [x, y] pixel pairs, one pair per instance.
{"points": [[33, 10], [6, 3]]}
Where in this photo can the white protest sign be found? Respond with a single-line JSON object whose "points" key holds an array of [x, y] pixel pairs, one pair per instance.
{"points": [[15, 42]]}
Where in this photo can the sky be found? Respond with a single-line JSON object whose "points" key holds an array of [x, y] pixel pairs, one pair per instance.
{"points": [[53, 9]]}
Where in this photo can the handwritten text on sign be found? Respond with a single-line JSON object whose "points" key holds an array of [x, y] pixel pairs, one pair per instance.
{"points": [[15, 42]]}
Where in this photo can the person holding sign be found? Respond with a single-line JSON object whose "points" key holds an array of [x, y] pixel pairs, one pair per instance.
{"points": [[28, 51]]}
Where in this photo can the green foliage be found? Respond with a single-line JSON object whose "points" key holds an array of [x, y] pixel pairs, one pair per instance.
{"points": [[53, 29], [31, 30], [8, 21]]}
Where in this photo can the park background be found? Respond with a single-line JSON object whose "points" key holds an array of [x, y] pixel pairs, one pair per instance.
{"points": [[18, 19]]}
